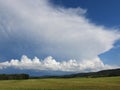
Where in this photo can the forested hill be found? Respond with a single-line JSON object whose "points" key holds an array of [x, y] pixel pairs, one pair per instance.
{"points": [[103, 73]]}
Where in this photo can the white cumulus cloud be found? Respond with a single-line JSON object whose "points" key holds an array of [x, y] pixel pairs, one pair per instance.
{"points": [[53, 65]]}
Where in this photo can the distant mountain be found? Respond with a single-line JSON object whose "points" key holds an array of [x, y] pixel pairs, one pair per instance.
{"points": [[33, 73], [49, 74], [103, 73]]}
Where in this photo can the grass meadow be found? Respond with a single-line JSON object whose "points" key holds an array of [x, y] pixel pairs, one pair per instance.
{"points": [[104, 83]]}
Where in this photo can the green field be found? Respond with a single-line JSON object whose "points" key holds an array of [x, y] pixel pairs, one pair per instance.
{"points": [[105, 83]]}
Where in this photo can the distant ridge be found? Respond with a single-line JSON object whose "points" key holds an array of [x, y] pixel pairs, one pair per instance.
{"points": [[102, 73]]}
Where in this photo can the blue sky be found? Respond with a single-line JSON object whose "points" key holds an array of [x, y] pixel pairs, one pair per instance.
{"points": [[101, 12], [59, 35]]}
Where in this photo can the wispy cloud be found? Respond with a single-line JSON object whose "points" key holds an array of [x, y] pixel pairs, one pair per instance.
{"points": [[62, 33]]}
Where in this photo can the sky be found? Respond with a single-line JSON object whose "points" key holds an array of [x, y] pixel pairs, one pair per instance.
{"points": [[59, 36]]}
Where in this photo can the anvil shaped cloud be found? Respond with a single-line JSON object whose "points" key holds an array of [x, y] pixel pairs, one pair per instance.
{"points": [[35, 27]]}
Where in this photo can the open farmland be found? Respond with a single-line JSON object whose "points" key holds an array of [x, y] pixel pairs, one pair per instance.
{"points": [[104, 83]]}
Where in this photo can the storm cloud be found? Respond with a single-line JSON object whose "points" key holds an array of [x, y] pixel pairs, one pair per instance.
{"points": [[36, 27]]}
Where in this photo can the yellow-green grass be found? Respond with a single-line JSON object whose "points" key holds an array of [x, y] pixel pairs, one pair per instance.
{"points": [[104, 83]]}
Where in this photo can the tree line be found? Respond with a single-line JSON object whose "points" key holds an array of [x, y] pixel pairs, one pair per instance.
{"points": [[13, 76]]}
